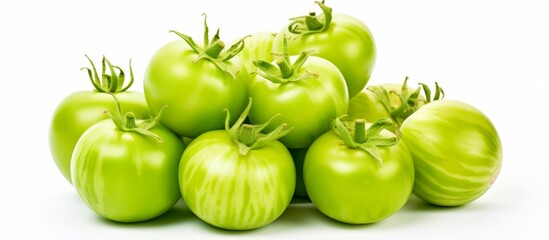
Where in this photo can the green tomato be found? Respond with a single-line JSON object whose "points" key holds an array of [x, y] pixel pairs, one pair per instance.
{"points": [[366, 105], [342, 39], [348, 183], [196, 84], [456, 149], [257, 46], [308, 100], [236, 186], [126, 176], [80, 110]]}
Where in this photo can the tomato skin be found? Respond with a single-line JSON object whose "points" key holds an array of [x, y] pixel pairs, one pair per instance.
{"points": [[234, 191], [366, 105], [125, 176], [456, 149], [348, 185], [257, 46], [347, 43], [80, 110], [195, 93], [307, 105]]}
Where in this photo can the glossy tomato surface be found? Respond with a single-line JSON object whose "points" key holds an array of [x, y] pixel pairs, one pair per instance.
{"points": [[236, 191], [347, 42], [308, 105], [367, 105], [257, 46], [456, 149], [79, 111], [195, 91], [125, 176], [349, 185]]}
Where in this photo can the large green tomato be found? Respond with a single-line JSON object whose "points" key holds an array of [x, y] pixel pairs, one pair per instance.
{"points": [[238, 178], [79, 110], [342, 39], [196, 84], [308, 99], [456, 149], [347, 183], [126, 176]]}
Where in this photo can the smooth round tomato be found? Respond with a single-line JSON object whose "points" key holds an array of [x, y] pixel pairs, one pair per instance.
{"points": [[308, 103], [347, 183], [196, 84], [78, 111], [230, 183], [456, 150], [257, 46], [126, 176], [342, 39]]}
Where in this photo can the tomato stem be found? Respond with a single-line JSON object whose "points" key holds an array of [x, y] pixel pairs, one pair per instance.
{"points": [[370, 139], [130, 120], [408, 102], [312, 23], [285, 68], [109, 82], [360, 131], [439, 93], [215, 49], [247, 135], [286, 71], [112, 80]]}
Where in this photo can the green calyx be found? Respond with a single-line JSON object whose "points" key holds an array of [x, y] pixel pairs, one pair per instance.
{"points": [[408, 102], [356, 136], [312, 23], [110, 82], [285, 71], [213, 50], [248, 136], [127, 122]]}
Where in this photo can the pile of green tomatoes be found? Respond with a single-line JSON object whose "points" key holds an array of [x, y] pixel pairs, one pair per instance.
{"points": [[237, 130]]}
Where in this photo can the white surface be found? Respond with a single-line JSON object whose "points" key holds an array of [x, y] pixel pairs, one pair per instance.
{"points": [[486, 53]]}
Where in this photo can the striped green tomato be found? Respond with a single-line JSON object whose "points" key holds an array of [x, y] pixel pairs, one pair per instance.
{"points": [[237, 178], [456, 150], [125, 169]]}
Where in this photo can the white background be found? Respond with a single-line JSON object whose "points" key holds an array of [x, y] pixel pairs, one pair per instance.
{"points": [[491, 54]]}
